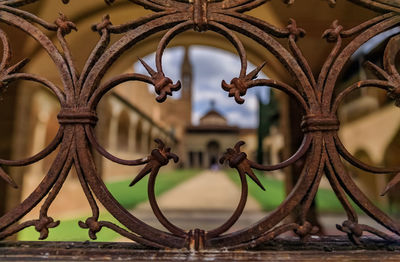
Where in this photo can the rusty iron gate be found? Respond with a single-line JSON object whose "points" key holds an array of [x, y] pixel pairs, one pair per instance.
{"points": [[81, 92]]}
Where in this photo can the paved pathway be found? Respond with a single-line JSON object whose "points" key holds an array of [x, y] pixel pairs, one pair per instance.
{"points": [[208, 200], [210, 190], [204, 201]]}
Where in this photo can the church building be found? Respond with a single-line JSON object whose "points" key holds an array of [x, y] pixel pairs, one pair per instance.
{"points": [[206, 142]]}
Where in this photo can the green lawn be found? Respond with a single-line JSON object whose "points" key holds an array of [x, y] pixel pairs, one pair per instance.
{"points": [[268, 199], [275, 194], [129, 197]]}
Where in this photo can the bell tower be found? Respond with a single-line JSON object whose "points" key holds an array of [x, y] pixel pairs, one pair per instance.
{"points": [[187, 82]]}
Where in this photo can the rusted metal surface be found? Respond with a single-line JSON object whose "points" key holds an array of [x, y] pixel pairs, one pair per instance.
{"points": [[321, 149], [318, 249]]}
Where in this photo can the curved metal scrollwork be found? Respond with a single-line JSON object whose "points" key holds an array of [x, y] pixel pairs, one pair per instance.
{"points": [[82, 91]]}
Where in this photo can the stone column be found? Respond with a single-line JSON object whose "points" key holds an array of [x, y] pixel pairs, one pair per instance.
{"points": [[132, 131], [145, 137], [113, 134]]}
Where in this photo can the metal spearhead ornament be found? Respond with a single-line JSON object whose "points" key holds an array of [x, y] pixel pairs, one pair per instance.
{"points": [[159, 157], [238, 160]]}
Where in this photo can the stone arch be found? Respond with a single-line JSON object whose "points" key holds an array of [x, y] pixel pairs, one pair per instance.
{"points": [[84, 21], [123, 131]]}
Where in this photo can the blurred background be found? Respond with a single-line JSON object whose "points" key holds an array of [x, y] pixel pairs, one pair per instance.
{"points": [[199, 122]]}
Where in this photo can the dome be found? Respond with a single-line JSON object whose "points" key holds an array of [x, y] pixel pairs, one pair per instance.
{"points": [[213, 118]]}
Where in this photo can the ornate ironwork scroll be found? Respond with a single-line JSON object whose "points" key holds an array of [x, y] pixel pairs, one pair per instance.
{"points": [[82, 91]]}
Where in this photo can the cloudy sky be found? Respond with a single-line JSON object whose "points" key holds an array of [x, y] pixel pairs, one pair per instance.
{"points": [[210, 67]]}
